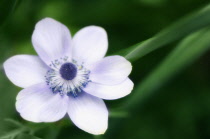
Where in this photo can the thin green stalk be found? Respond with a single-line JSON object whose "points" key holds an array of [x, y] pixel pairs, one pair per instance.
{"points": [[174, 32], [189, 50]]}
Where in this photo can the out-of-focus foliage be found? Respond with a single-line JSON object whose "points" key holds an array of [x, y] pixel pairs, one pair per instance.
{"points": [[177, 30], [11, 129], [26, 136], [184, 54], [7, 8], [175, 108]]}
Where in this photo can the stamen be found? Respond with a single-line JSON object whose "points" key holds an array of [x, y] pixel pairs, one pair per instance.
{"points": [[68, 71], [67, 77]]}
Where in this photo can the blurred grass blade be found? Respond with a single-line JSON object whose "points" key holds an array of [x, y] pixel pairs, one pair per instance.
{"points": [[118, 114], [18, 124], [26, 136], [183, 27], [184, 54], [7, 8], [9, 129]]}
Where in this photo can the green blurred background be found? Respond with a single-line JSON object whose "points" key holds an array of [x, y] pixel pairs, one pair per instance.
{"points": [[178, 110]]}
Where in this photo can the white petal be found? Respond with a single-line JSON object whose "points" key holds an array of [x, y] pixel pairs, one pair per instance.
{"points": [[88, 113], [25, 70], [90, 44], [110, 92], [51, 40], [111, 70], [38, 104]]}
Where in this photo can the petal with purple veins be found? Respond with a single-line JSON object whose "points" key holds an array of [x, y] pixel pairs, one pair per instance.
{"points": [[89, 113], [90, 44], [38, 104], [110, 92], [110, 70], [51, 40], [25, 70]]}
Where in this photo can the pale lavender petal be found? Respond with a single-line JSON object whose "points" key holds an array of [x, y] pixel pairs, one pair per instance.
{"points": [[110, 92], [111, 70], [90, 44], [51, 40], [89, 113], [25, 70], [38, 104]]}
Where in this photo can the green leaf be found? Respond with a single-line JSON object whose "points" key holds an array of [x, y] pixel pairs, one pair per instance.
{"points": [[9, 129], [176, 31], [183, 55], [26, 136], [12, 121]]}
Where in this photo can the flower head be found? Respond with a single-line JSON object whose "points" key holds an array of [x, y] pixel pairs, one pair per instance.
{"points": [[70, 76]]}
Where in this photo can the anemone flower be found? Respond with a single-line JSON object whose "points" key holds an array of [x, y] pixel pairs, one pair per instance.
{"points": [[69, 76]]}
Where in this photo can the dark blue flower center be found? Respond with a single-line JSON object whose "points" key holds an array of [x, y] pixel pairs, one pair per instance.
{"points": [[68, 71]]}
